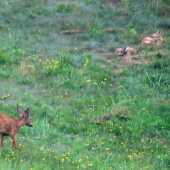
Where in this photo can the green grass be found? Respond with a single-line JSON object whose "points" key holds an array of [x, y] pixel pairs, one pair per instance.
{"points": [[57, 58]]}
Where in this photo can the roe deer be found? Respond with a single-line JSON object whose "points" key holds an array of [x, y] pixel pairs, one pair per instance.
{"points": [[125, 51], [10, 126], [156, 39]]}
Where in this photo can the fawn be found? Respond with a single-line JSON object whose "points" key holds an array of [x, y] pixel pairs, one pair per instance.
{"points": [[10, 126], [125, 51], [156, 39]]}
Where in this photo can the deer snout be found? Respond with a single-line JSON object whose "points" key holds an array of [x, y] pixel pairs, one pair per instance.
{"points": [[121, 54], [29, 125]]}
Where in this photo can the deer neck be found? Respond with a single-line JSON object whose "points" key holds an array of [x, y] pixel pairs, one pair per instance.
{"points": [[20, 122]]}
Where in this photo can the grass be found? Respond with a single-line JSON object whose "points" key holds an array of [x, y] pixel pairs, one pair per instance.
{"points": [[90, 108]]}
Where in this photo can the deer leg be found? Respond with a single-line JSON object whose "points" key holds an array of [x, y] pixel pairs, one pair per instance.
{"points": [[2, 137], [14, 143]]}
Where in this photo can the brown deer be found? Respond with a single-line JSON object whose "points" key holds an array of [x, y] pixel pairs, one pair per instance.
{"points": [[10, 126], [125, 51], [156, 39]]}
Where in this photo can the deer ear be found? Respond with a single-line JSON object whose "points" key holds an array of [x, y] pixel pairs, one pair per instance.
{"points": [[19, 111], [158, 32], [124, 49], [27, 111]]}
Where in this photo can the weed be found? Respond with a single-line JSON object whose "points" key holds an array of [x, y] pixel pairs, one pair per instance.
{"points": [[93, 32], [42, 11], [131, 34], [31, 14], [63, 8], [125, 3], [29, 80], [16, 8], [3, 57]]}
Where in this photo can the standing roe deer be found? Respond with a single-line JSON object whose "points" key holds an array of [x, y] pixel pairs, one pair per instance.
{"points": [[10, 126]]}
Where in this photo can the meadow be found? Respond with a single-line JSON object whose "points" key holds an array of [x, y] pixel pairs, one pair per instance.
{"points": [[90, 108]]}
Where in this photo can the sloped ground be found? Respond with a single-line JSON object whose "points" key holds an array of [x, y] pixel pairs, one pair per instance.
{"points": [[58, 58]]}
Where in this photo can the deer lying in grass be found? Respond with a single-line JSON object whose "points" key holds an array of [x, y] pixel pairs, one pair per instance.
{"points": [[10, 126], [156, 39], [125, 51]]}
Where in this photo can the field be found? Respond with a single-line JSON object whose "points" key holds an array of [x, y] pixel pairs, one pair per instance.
{"points": [[90, 108]]}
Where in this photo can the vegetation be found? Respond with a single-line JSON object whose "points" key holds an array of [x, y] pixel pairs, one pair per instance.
{"points": [[90, 108]]}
